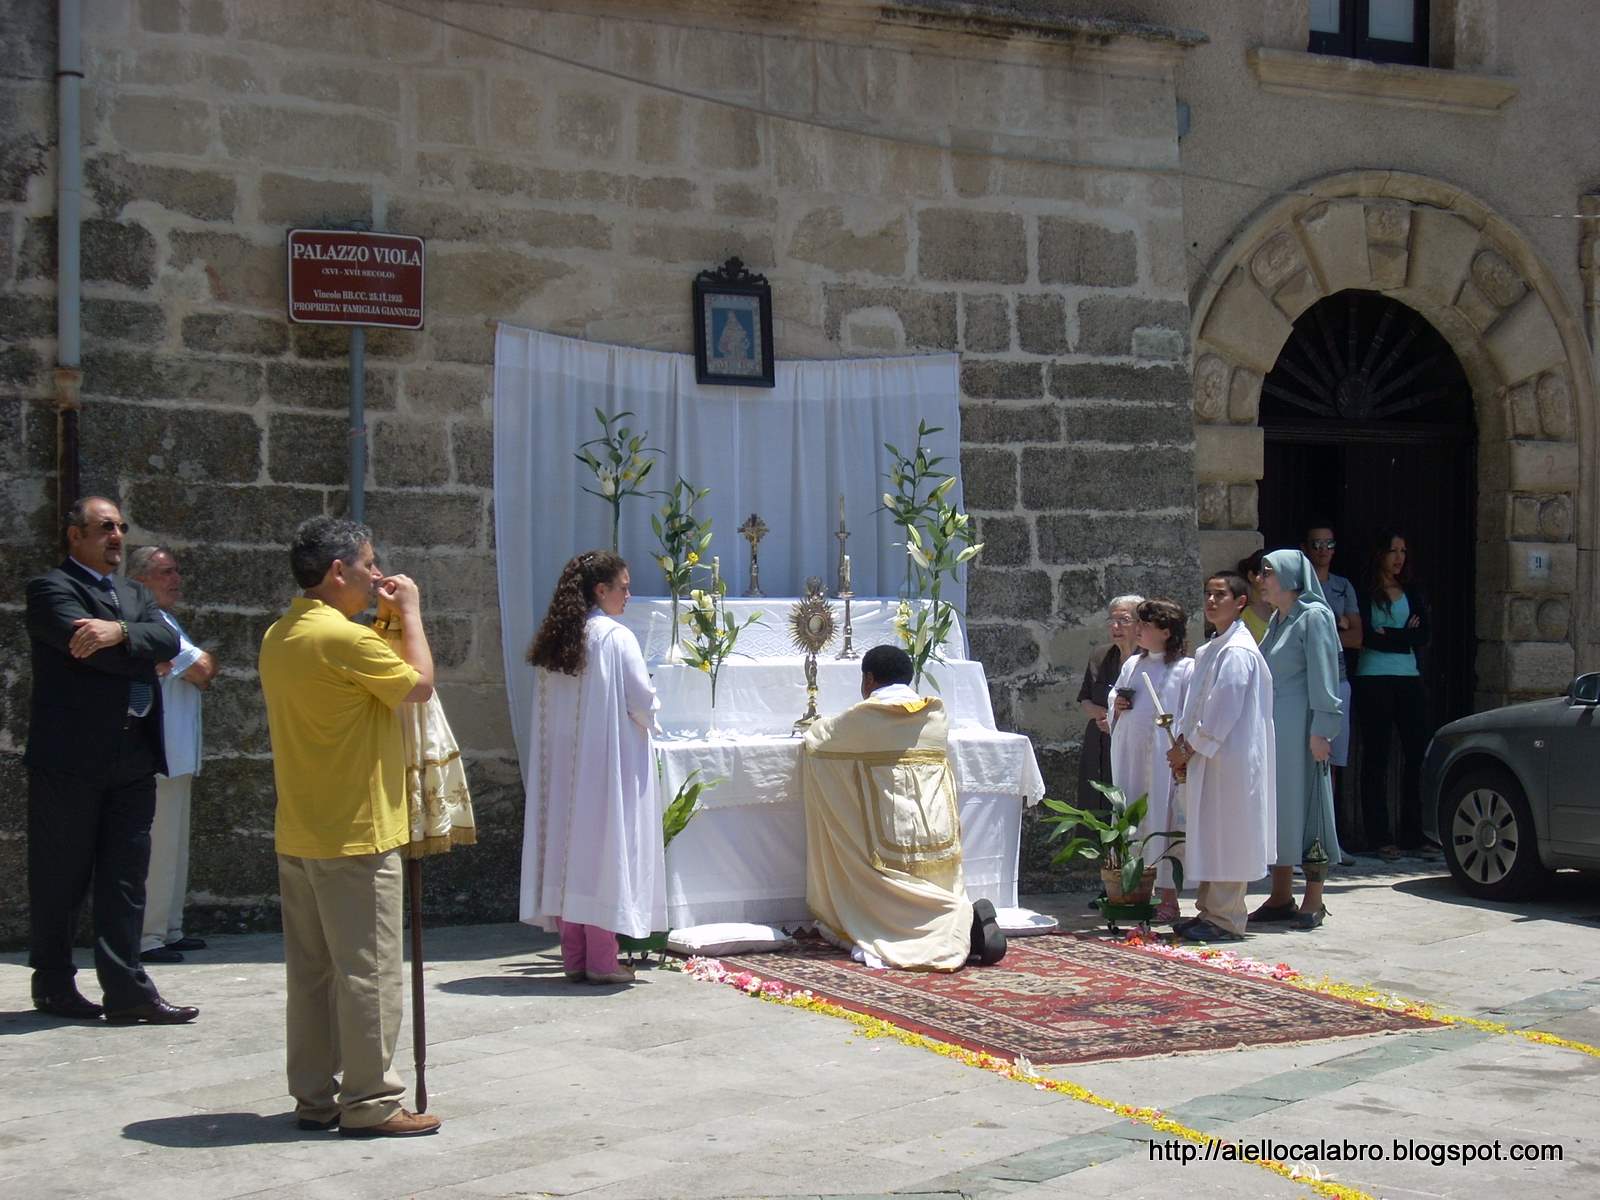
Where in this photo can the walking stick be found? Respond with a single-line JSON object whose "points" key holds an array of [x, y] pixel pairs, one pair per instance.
{"points": [[419, 1023]]}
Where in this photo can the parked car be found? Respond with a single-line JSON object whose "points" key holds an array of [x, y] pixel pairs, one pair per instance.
{"points": [[1516, 792]]}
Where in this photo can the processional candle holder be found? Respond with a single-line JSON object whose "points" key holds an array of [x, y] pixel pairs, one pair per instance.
{"points": [[811, 628], [754, 529]]}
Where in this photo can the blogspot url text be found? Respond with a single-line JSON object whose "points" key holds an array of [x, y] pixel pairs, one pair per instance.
{"points": [[1438, 1154]]}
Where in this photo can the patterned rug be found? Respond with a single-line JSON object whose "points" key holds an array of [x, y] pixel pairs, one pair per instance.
{"points": [[1066, 999]]}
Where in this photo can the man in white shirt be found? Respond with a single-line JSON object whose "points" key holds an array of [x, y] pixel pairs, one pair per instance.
{"points": [[1227, 749], [183, 679]]}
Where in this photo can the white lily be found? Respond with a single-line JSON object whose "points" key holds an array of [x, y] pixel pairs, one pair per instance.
{"points": [[938, 492], [917, 556], [888, 501], [970, 552], [608, 488]]}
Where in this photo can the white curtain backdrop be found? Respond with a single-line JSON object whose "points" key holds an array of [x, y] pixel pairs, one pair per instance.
{"points": [[786, 453]]}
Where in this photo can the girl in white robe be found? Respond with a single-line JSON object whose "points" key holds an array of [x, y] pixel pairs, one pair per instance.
{"points": [[1139, 745], [593, 863]]}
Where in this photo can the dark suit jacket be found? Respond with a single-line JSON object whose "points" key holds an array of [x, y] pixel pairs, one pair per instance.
{"points": [[79, 704]]}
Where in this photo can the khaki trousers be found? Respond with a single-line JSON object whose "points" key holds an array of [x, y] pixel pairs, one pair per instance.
{"points": [[167, 884], [342, 939], [1223, 904]]}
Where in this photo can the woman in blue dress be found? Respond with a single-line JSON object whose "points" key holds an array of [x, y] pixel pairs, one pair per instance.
{"points": [[1302, 650]]}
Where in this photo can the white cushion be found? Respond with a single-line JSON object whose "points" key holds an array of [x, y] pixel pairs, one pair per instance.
{"points": [[1022, 922], [728, 937]]}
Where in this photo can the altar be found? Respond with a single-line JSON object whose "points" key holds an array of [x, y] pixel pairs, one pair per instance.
{"points": [[742, 858]]}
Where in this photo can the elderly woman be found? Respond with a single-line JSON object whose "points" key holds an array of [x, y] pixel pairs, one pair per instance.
{"points": [[1302, 650], [1094, 696]]}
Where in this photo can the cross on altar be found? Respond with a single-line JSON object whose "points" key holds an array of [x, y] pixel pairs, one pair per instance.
{"points": [[754, 529]]}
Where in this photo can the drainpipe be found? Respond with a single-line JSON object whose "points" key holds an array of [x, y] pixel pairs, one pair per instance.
{"points": [[358, 413], [69, 207]]}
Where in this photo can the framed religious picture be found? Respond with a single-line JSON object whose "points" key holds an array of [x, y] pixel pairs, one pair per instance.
{"points": [[733, 327]]}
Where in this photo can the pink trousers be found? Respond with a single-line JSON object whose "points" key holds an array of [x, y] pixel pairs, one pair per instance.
{"points": [[588, 948]]}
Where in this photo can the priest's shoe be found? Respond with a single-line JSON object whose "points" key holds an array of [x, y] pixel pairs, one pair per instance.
{"points": [[152, 1012], [71, 1005], [1274, 912], [161, 954], [312, 1125], [187, 943], [988, 942], [402, 1124], [1205, 931]]}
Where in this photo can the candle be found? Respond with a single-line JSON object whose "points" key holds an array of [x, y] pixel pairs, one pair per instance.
{"points": [[1155, 699], [844, 575], [716, 574], [841, 512]]}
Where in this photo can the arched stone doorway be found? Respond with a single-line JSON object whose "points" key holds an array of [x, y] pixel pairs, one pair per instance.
{"points": [[1476, 281]]}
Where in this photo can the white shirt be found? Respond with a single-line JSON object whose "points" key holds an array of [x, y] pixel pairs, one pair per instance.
{"points": [[180, 705]]}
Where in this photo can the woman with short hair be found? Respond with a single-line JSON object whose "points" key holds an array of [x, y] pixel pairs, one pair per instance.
{"points": [[593, 863], [1094, 697]]}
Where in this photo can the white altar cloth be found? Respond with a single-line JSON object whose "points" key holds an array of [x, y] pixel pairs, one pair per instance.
{"points": [[871, 624], [743, 858], [767, 695]]}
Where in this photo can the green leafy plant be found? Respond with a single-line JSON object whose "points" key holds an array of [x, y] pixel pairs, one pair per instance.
{"points": [[714, 632], [938, 543], [682, 540], [685, 804], [620, 460], [1111, 838]]}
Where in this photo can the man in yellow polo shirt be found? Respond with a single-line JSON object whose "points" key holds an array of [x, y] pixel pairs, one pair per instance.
{"points": [[332, 687]]}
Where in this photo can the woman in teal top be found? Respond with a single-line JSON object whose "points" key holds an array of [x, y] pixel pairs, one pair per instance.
{"points": [[1390, 696], [1302, 649]]}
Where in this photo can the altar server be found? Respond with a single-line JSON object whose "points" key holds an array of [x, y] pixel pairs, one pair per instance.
{"points": [[883, 832], [1139, 746], [593, 865], [1227, 746]]}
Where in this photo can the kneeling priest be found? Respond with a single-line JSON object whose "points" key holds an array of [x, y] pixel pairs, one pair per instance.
{"points": [[883, 832]]}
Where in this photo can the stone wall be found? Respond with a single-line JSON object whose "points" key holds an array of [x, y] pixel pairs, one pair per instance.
{"points": [[569, 199]]}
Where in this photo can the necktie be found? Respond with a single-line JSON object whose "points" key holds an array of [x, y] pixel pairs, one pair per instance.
{"points": [[140, 695]]}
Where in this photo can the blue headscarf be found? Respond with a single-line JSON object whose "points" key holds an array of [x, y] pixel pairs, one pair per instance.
{"points": [[1296, 574]]}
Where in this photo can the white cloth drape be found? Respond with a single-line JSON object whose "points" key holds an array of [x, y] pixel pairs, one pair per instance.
{"points": [[786, 453]]}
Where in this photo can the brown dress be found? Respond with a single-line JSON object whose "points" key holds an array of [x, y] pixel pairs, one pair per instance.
{"points": [[1094, 760]]}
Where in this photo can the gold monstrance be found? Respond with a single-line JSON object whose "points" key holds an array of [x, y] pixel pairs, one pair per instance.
{"points": [[811, 628], [754, 530]]}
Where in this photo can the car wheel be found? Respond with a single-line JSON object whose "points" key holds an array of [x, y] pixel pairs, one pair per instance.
{"points": [[1489, 841]]}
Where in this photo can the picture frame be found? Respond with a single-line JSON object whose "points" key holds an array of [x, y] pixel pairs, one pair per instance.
{"points": [[733, 327]]}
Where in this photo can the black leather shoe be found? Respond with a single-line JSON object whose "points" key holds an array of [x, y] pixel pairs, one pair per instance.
{"points": [[988, 943], [161, 954], [153, 1012], [1275, 912], [1205, 931], [1310, 920], [187, 943], [71, 1005], [312, 1126]]}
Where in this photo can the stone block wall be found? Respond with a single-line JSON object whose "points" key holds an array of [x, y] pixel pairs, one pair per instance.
{"points": [[1048, 251]]}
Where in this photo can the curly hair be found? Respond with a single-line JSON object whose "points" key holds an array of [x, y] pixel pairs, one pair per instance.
{"points": [[1169, 616], [559, 644]]}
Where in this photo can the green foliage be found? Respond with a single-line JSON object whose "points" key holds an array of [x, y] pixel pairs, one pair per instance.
{"points": [[714, 632], [620, 461], [1112, 838], [684, 805], [938, 542]]}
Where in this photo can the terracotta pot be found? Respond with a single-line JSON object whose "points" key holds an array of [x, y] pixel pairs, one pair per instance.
{"points": [[1112, 882]]}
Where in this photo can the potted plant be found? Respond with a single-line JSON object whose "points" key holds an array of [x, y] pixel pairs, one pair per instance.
{"points": [[1113, 840]]}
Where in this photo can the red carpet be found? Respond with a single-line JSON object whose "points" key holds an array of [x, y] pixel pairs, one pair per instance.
{"points": [[1064, 999]]}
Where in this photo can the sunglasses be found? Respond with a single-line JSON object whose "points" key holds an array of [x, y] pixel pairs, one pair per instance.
{"points": [[1324, 544], [108, 526]]}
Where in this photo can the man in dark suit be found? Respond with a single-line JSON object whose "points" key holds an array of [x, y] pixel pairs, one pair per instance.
{"points": [[94, 747]]}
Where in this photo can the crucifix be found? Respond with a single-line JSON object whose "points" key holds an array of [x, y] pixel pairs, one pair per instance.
{"points": [[754, 529]]}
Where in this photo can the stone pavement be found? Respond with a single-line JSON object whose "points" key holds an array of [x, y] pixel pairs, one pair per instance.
{"points": [[678, 1088]]}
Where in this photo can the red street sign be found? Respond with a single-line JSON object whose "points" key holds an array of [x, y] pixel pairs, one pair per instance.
{"points": [[348, 277]]}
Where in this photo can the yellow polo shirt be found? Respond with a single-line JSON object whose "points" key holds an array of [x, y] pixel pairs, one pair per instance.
{"points": [[332, 687]]}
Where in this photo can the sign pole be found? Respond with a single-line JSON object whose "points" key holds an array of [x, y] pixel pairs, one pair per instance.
{"points": [[358, 423]]}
